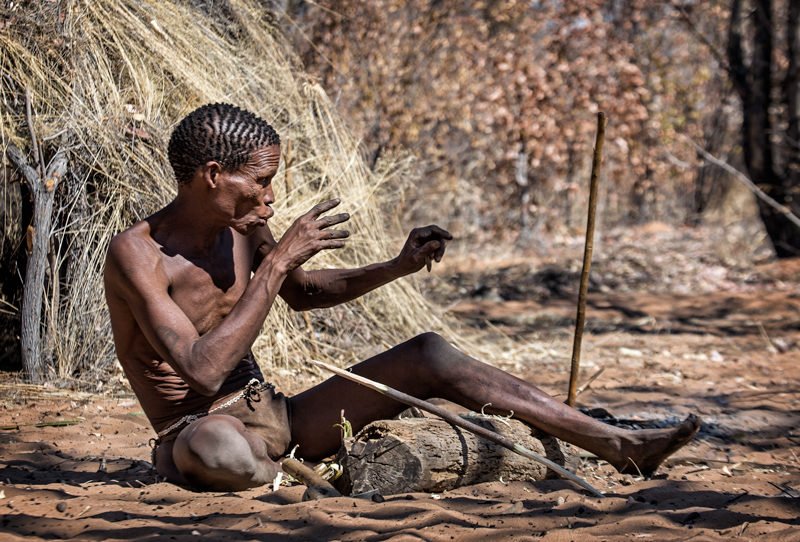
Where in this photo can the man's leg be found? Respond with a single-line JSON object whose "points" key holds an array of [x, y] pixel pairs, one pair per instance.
{"points": [[427, 366], [217, 453]]}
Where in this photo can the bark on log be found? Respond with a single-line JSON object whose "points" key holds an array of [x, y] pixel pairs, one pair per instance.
{"points": [[430, 455]]}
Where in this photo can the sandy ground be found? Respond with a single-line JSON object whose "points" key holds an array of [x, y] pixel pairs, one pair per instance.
{"points": [[729, 353]]}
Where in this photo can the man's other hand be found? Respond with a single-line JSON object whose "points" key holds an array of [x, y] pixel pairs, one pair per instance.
{"points": [[423, 246], [310, 234]]}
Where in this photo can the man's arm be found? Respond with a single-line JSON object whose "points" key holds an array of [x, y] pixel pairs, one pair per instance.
{"points": [[134, 273], [304, 290]]}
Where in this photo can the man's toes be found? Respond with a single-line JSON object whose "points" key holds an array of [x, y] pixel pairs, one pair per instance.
{"points": [[679, 437], [684, 433], [691, 424]]}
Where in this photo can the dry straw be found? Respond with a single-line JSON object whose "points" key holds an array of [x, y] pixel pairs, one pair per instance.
{"points": [[117, 75]]}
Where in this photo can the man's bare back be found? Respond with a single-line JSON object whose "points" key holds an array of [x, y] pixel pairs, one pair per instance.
{"points": [[189, 289]]}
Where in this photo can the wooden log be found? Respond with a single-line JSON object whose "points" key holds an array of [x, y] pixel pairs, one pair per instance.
{"points": [[492, 436], [431, 455]]}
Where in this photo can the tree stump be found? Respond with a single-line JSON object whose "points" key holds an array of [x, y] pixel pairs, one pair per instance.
{"points": [[430, 455]]}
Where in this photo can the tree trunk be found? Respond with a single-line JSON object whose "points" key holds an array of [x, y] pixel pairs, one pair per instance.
{"points": [[38, 240], [790, 240], [771, 161], [707, 185], [430, 455]]}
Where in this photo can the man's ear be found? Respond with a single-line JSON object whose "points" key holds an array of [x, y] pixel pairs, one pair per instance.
{"points": [[211, 171]]}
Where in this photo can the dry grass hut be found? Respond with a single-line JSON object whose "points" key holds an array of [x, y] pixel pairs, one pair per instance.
{"points": [[107, 80]]}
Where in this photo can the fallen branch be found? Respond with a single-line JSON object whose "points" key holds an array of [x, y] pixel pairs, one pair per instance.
{"points": [[18, 159], [789, 491], [57, 423], [459, 422], [745, 180]]}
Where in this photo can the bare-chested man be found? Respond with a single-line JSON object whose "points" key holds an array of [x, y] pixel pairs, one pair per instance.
{"points": [[189, 289]]}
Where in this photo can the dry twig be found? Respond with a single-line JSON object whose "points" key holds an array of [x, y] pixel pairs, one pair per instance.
{"points": [[745, 180], [588, 383]]}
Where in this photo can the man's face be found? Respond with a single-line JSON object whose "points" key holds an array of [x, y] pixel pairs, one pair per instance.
{"points": [[246, 193]]}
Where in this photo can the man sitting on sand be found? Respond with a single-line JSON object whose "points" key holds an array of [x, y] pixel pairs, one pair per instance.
{"points": [[189, 289]]}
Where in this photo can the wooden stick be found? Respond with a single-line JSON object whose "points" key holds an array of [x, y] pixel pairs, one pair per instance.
{"points": [[460, 422], [588, 383], [318, 487], [587, 259], [57, 423]]}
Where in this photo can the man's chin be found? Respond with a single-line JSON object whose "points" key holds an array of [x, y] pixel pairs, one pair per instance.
{"points": [[245, 229]]}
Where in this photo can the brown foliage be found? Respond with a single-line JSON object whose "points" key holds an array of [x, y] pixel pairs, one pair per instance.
{"points": [[498, 100]]}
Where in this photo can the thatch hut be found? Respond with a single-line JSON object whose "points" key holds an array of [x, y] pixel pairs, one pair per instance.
{"points": [[107, 80]]}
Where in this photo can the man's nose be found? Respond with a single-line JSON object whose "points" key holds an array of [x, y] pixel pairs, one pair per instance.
{"points": [[269, 196]]}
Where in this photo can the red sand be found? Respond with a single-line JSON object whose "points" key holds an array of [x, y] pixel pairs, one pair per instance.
{"points": [[739, 480]]}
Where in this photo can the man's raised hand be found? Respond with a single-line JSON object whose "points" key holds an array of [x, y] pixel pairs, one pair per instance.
{"points": [[422, 247], [310, 234]]}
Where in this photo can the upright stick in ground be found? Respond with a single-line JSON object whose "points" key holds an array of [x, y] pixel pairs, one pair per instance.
{"points": [[449, 417], [587, 259]]}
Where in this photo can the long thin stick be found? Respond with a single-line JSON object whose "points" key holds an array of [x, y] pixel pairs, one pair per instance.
{"points": [[460, 422], [587, 259]]}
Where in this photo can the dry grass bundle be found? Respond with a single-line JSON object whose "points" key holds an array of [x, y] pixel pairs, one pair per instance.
{"points": [[116, 76]]}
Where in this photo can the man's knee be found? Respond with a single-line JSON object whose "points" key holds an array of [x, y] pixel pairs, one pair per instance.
{"points": [[438, 356], [213, 446], [431, 345]]}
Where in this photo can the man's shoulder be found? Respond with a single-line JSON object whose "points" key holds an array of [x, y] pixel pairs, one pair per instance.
{"points": [[130, 249], [136, 238]]}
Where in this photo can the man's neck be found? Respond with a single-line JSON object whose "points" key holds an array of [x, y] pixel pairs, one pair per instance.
{"points": [[185, 224]]}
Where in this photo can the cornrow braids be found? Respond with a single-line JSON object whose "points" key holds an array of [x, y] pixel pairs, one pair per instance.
{"points": [[221, 132]]}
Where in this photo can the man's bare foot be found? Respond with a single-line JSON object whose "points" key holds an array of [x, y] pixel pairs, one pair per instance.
{"points": [[646, 449]]}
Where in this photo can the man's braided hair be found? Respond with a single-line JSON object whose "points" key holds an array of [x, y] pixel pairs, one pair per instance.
{"points": [[220, 132]]}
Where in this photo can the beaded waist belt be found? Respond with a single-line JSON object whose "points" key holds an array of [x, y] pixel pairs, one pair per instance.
{"points": [[248, 391]]}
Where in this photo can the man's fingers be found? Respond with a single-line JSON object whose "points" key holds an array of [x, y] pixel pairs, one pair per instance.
{"points": [[429, 248], [431, 232], [336, 234], [444, 234], [440, 252], [320, 208], [327, 221], [333, 243]]}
